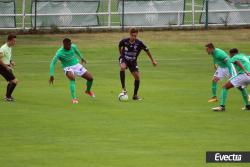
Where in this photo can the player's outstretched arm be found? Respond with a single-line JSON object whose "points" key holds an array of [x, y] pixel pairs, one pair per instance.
{"points": [[52, 69], [79, 54], [151, 58]]}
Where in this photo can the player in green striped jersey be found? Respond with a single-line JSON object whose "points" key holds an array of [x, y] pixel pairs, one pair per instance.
{"points": [[222, 65], [70, 63], [240, 81]]}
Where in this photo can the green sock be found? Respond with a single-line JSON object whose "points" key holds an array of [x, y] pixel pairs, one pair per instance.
{"points": [[214, 89], [244, 95], [223, 97], [73, 89], [89, 85]]}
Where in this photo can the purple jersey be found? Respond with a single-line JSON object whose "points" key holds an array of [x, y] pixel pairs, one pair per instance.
{"points": [[130, 51]]}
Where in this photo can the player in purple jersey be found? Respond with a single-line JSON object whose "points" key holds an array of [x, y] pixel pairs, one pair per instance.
{"points": [[129, 49]]}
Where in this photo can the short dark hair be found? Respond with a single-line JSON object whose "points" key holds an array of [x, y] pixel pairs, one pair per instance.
{"points": [[133, 30], [210, 45], [234, 51], [10, 37], [66, 40]]}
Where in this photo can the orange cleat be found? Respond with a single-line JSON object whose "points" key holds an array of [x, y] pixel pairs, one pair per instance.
{"points": [[91, 94]]}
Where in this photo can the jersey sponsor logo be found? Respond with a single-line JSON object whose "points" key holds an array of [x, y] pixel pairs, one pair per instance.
{"points": [[135, 47]]}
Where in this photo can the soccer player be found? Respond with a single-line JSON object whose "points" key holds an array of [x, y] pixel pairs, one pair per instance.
{"points": [[129, 49], [222, 66], [70, 63], [240, 81], [6, 66]]}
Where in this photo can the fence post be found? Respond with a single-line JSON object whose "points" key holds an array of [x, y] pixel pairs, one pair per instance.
{"points": [[178, 18], [123, 8], [109, 11], [193, 13], [23, 14], [35, 13], [206, 24]]}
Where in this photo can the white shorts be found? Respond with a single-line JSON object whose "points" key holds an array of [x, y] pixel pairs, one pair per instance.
{"points": [[221, 73], [77, 69], [241, 80]]}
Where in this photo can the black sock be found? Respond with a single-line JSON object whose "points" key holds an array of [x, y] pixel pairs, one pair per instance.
{"points": [[122, 78], [10, 89], [136, 84]]}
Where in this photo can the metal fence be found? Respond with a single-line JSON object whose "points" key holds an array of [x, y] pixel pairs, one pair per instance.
{"points": [[47, 14]]}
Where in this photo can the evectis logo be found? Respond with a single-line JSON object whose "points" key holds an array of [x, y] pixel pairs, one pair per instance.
{"points": [[224, 157], [227, 157]]}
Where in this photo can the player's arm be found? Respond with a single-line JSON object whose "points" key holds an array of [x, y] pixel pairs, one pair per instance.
{"points": [[151, 57], [120, 50], [215, 66], [144, 47], [229, 66], [79, 54], [12, 63], [2, 63], [242, 67], [52, 68], [120, 47]]}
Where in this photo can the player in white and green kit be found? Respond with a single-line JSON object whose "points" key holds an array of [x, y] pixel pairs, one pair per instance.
{"points": [[224, 69], [71, 66], [240, 81]]}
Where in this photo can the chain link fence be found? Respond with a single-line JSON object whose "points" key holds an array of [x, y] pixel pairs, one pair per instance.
{"points": [[47, 14]]}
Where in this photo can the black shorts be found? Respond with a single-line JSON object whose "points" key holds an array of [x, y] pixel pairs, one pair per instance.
{"points": [[131, 65], [7, 74]]}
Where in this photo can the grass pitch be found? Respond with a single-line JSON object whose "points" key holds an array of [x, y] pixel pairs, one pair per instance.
{"points": [[173, 125]]}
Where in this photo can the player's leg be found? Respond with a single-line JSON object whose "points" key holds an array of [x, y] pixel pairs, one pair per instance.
{"points": [[123, 67], [223, 96], [241, 82], [72, 85], [10, 88], [135, 72], [214, 87], [88, 76], [136, 75], [12, 82], [244, 94], [219, 74]]}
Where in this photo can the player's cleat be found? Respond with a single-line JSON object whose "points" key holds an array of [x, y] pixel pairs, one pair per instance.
{"points": [[91, 94], [75, 101], [135, 97], [246, 107], [220, 108], [9, 99], [213, 99]]}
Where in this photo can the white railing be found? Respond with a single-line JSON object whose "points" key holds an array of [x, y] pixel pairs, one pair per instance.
{"points": [[111, 17]]}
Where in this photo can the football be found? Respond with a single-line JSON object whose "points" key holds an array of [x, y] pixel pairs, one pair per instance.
{"points": [[123, 96]]}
